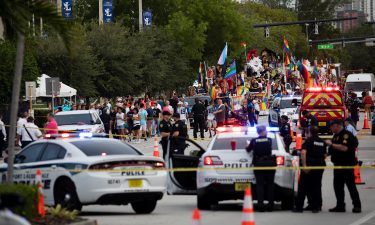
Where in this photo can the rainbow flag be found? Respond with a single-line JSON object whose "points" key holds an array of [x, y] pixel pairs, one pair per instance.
{"points": [[240, 90], [286, 46], [232, 72], [213, 93], [305, 73], [287, 60], [223, 56]]}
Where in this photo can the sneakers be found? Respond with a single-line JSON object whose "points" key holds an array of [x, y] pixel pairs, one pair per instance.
{"points": [[357, 210], [337, 209]]}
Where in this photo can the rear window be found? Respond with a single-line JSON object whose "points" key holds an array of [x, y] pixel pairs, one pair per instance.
{"points": [[322, 99], [102, 147], [288, 103], [242, 143], [358, 86], [73, 119], [191, 101]]}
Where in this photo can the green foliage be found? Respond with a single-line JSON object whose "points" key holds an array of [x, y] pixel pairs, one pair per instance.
{"points": [[29, 194], [61, 213]]}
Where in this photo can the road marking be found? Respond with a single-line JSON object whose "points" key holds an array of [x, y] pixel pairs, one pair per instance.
{"points": [[364, 219]]}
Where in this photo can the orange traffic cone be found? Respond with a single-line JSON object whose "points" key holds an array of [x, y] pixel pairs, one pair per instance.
{"points": [[156, 148], [248, 210], [41, 209], [365, 122], [299, 141], [292, 132], [357, 175], [196, 217]]}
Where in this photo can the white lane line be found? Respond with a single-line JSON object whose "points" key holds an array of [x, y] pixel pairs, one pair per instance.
{"points": [[364, 219]]}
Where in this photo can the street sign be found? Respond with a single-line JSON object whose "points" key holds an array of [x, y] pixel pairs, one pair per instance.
{"points": [[53, 86], [30, 91], [325, 46], [370, 42]]}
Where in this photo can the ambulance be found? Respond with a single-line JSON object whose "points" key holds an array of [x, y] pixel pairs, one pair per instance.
{"points": [[326, 104]]}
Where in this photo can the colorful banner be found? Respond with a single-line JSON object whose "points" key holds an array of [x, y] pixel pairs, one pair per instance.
{"points": [[107, 11], [66, 9], [147, 18]]}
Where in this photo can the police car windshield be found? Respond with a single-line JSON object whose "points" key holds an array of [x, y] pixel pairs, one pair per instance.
{"points": [[287, 103], [73, 119], [241, 143], [100, 147]]}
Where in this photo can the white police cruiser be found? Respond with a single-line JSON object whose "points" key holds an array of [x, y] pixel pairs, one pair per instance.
{"points": [[285, 105], [79, 121], [71, 173], [222, 169]]}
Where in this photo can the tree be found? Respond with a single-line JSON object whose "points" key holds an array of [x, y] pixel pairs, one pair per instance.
{"points": [[16, 15]]}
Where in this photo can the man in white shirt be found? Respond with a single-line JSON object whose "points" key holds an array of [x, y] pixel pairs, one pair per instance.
{"points": [[21, 121], [29, 132], [182, 110]]}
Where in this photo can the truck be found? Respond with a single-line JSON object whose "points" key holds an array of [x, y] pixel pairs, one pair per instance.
{"points": [[360, 82], [326, 104]]}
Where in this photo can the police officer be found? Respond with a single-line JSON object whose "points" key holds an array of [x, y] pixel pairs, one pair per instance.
{"points": [[285, 131], [342, 151], [198, 111], [309, 121], [262, 157], [165, 129], [314, 152], [179, 131]]}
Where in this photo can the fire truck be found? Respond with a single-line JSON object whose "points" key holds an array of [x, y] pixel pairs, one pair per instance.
{"points": [[326, 104]]}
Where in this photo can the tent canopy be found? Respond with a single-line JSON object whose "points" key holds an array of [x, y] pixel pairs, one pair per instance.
{"points": [[65, 90]]}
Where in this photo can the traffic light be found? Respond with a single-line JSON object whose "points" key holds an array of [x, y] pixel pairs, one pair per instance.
{"points": [[266, 32], [316, 29]]}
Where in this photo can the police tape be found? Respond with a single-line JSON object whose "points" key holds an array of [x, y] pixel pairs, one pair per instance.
{"points": [[187, 169]]}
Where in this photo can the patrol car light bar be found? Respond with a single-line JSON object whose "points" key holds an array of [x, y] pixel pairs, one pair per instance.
{"points": [[271, 129], [319, 89], [243, 129], [74, 135]]}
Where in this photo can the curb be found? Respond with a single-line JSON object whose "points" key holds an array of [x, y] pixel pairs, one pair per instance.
{"points": [[85, 222]]}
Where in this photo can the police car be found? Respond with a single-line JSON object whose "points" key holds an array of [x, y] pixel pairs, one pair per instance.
{"points": [[285, 105], [79, 121], [223, 172], [84, 171]]}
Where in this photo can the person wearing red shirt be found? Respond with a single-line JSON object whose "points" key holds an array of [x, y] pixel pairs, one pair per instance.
{"points": [[51, 125], [367, 102]]}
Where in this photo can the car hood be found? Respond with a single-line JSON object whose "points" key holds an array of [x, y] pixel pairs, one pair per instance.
{"points": [[75, 127], [288, 110]]}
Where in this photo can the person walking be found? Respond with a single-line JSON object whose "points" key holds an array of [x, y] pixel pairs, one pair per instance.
{"points": [[29, 132], [156, 112], [314, 152], [262, 157], [342, 151], [143, 121], [367, 102], [198, 111], [211, 121]]}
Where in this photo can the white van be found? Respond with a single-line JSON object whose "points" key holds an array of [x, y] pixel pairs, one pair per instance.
{"points": [[359, 82]]}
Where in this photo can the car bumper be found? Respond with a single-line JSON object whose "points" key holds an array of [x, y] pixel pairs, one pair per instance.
{"points": [[104, 187]]}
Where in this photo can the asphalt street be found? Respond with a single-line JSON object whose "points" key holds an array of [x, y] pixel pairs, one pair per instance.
{"points": [[177, 210]]}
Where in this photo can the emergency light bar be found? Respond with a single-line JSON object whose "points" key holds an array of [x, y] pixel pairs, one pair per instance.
{"points": [[244, 129], [270, 129], [74, 135], [319, 89]]}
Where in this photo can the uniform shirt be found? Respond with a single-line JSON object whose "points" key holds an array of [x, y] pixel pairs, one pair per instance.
{"points": [[344, 158], [284, 130], [316, 149], [311, 121], [33, 131], [261, 146], [179, 126], [165, 127], [20, 123], [198, 109]]}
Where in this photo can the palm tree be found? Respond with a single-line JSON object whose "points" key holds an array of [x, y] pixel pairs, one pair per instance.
{"points": [[15, 15]]}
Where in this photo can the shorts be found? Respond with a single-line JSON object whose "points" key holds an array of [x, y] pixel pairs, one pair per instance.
{"points": [[143, 127], [136, 127], [149, 123], [211, 124], [118, 127]]}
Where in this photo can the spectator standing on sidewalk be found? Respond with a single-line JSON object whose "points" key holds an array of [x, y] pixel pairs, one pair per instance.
{"points": [[51, 126], [29, 132]]}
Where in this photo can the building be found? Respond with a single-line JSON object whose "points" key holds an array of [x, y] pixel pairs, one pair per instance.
{"points": [[347, 25]]}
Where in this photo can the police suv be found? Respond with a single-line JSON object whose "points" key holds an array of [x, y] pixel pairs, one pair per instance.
{"points": [[83, 171], [79, 121], [223, 169], [285, 105]]}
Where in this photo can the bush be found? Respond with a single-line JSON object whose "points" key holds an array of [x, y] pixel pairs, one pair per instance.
{"points": [[29, 193]]}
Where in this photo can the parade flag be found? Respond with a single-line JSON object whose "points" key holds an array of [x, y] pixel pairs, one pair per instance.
{"points": [[223, 56], [240, 90], [286, 61], [305, 72], [213, 92], [232, 72], [286, 46]]}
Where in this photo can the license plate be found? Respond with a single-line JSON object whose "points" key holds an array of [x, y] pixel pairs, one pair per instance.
{"points": [[135, 183], [322, 124], [241, 186]]}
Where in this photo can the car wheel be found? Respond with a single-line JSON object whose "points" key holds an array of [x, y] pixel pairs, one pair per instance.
{"points": [[144, 207], [203, 202], [65, 195], [287, 203]]}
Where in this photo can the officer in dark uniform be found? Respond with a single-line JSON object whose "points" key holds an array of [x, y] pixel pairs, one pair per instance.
{"points": [[262, 157], [285, 131], [310, 120], [165, 128], [314, 152], [179, 131], [198, 111], [342, 151]]}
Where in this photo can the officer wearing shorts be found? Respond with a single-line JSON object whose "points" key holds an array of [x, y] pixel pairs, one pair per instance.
{"points": [[262, 157], [165, 129]]}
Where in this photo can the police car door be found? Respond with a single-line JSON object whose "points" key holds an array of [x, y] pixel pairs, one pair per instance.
{"points": [[183, 182], [274, 112]]}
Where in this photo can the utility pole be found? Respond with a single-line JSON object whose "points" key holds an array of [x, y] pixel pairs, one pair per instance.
{"points": [[100, 12], [140, 15], [41, 26]]}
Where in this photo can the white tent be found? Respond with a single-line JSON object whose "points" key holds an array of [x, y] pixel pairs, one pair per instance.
{"points": [[65, 90]]}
